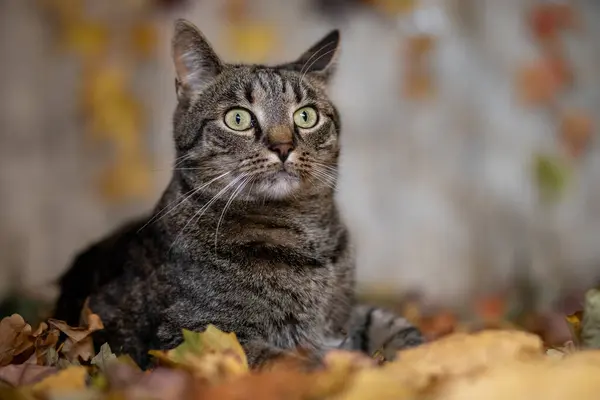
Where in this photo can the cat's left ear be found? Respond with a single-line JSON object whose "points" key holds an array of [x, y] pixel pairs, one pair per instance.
{"points": [[321, 59], [196, 63]]}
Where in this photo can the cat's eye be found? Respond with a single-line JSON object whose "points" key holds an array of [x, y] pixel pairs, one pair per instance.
{"points": [[306, 117], [238, 119]]}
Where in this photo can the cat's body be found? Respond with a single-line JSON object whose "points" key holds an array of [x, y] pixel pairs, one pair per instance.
{"points": [[247, 236]]}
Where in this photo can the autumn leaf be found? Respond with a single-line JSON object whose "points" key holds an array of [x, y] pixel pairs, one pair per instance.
{"points": [[252, 42], [103, 358], [574, 323], [576, 130], [79, 343], [212, 354], [25, 374], [551, 176], [71, 379], [464, 354], [14, 338]]}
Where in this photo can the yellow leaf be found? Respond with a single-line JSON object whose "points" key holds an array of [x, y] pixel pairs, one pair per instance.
{"points": [[90, 39], [380, 384], [213, 354], [68, 380], [574, 322], [253, 42]]}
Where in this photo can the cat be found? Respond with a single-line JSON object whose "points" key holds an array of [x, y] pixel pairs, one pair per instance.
{"points": [[247, 236]]}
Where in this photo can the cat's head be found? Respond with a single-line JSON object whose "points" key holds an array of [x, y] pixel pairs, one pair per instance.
{"points": [[253, 131]]}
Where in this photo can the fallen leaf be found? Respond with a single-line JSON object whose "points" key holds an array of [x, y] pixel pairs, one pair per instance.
{"points": [[67, 380], [576, 130], [213, 355], [540, 82], [14, 338], [25, 374], [465, 354], [574, 323], [79, 343], [103, 358]]}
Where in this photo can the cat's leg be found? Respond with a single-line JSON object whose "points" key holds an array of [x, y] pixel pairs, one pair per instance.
{"points": [[373, 329]]}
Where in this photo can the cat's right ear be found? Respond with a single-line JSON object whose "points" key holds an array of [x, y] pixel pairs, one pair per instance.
{"points": [[196, 63]]}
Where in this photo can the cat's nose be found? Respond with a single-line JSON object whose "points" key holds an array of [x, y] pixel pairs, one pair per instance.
{"points": [[282, 150]]}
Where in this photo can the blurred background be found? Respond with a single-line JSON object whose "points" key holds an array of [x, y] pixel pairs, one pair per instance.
{"points": [[470, 162]]}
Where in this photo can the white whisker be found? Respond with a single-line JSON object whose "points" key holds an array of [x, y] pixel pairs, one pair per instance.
{"points": [[187, 195]]}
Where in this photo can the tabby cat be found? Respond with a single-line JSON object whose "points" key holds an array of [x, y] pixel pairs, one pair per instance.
{"points": [[247, 235]]}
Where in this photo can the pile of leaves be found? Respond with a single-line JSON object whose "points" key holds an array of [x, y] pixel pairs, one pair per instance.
{"points": [[57, 361]]}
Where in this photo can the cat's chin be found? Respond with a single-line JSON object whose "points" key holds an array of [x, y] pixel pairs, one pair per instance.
{"points": [[279, 186]]}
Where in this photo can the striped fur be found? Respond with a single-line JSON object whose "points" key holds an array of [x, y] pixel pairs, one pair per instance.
{"points": [[243, 237]]}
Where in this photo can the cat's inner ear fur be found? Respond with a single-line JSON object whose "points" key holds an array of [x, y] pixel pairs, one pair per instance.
{"points": [[196, 63], [321, 59]]}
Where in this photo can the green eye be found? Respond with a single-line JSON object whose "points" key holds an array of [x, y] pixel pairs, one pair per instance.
{"points": [[238, 119], [306, 117]]}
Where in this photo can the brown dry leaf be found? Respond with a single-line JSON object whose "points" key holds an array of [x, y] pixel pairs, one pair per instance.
{"points": [[576, 130], [25, 374], [79, 343], [465, 354], [14, 338], [71, 379]]}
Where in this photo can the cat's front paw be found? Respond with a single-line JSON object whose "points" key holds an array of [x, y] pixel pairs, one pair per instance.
{"points": [[375, 330]]}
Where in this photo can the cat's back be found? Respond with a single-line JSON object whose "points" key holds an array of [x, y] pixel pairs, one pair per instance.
{"points": [[94, 267]]}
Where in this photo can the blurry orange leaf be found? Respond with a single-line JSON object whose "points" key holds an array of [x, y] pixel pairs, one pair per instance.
{"points": [[540, 82], [491, 309], [548, 19], [419, 45], [576, 131], [145, 39], [438, 325]]}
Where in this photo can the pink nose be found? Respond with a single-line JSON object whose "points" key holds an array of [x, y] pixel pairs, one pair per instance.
{"points": [[282, 150]]}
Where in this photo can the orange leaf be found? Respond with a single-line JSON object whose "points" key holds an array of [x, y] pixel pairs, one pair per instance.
{"points": [[576, 130]]}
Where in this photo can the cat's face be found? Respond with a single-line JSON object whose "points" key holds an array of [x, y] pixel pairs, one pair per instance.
{"points": [[255, 132]]}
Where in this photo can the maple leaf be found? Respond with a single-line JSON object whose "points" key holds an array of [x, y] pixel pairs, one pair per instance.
{"points": [[213, 355]]}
